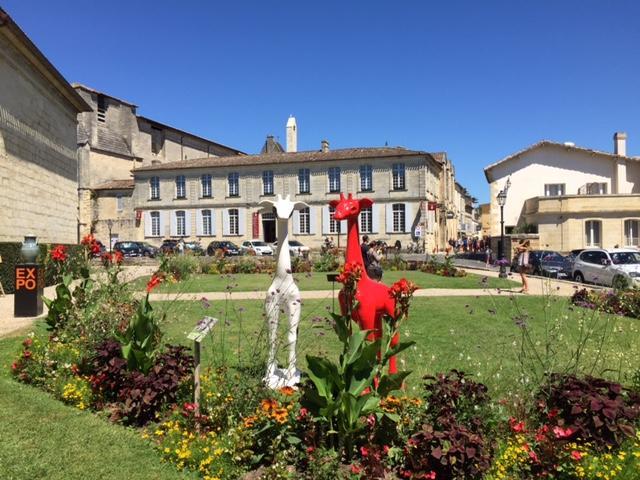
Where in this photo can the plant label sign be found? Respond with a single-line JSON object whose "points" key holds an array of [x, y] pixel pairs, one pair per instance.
{"points": [[29, 282], [202, 329]]}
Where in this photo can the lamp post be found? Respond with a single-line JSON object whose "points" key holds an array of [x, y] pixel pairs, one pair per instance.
{"points": [[502, 199], [109, 226]]}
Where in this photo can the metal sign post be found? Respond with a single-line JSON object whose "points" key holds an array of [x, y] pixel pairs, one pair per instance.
{"points": [[200, 331]]}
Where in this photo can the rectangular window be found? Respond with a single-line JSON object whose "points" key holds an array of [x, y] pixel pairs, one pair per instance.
{"points": [[398, 217], [366, 220], [334, 179], [206, 222], [631, 232], [267, 182], [154, 188], [157, 140], [119, 202], [304, 184], [305, 221], [596, 188], [155, 224], [181, 187], [366, 178], [234, 184], [554, 189], [206, 185], [102, 108], [234, 221], [592, 233], [334, 225], [181, 225], [398, 176]]}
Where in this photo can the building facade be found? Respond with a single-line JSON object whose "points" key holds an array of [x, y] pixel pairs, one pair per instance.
{"points": [[114, 141], [38, 145], [572, 197], [218, 198]]}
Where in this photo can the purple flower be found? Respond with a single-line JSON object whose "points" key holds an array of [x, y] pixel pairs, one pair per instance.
{"points": [[205, 302]]}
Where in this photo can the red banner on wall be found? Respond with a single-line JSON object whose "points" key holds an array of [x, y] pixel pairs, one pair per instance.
{"points": [[255, 225], [432, 206]]}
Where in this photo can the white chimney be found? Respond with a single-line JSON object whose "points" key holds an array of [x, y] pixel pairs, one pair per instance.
{"points": [[324, 146], [292, 134], [620, 144]]}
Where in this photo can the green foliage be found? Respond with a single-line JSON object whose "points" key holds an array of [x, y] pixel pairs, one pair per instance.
{"points": [[181, 267], [394, 263], [619, 302], [445, 268], [340, 393], [329, 261], [141, 338], [59, 307]]}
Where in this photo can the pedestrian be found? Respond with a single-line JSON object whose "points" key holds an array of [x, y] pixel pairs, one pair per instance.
{"points": [[374, 256], [364, 248], [181, 246], [487, 254], [522, 249]]}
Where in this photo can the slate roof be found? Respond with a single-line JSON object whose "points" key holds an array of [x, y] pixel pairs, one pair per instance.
{"points": [[116, 185], [111, 141], [549, 143], [290, 157]]}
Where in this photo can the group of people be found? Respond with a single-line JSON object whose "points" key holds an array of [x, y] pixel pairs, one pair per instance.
{"points": [[470, 245], [372, 255]]}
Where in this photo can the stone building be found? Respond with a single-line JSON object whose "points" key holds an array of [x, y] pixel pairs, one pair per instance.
{"points": [[215, 198], [38, 144], [572, 197], [114, 141]]}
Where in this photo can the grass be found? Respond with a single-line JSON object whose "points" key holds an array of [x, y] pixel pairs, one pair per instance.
{"points": [[43, 438], [316, 281], [474, 334]]}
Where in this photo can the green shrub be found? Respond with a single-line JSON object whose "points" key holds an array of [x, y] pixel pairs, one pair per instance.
{"points": [[247, 265], [181, 267], [328, 262]]}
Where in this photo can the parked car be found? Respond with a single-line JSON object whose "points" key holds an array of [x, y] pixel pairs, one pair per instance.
{"points": [[296, 249], [257, 247], [534, 261], [128, 249], [552, 264], [228, 248], [147, 249], [194, 247], [569, 261], [169, 246], [616, 267]]}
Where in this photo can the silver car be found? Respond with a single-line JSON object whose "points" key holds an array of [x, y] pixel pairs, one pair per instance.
{"points": [[616, 267]]}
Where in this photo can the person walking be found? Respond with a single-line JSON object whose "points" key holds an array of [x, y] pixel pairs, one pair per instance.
{"points": [[374, 256], [522, 250]]}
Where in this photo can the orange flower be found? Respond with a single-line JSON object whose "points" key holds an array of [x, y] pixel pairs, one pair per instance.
{"points": [[280, 415], [249, 422], [269, 404], [287, 391], [153, 283]]}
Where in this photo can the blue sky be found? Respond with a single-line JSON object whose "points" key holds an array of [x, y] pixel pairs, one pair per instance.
{"points": [[479, 80]]}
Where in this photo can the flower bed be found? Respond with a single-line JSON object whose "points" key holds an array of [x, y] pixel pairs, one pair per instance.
{"points": [[619, 302], [445, 269]]}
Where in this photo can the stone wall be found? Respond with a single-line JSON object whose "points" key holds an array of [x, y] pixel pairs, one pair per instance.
{"points": [[38, 155]]}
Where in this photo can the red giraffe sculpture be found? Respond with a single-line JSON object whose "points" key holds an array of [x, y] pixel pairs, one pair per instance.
{"points": [[374, 298]]}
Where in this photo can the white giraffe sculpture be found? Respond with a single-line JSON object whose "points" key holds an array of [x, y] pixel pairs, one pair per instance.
{"points": [[283, 295]]}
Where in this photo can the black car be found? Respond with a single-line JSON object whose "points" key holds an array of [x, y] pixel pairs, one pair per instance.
{"points": [[147, 249], [228, 248], [552, 264], [194, 248], [169, 246], [128, 249]]}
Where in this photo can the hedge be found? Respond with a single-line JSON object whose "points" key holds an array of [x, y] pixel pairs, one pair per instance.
{"points": [[10, 253]]}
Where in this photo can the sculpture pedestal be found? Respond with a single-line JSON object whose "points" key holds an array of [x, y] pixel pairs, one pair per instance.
{"points": [[29, 282]]}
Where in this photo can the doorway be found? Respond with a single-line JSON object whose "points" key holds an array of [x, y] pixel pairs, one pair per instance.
{"points": [[269, 227]]}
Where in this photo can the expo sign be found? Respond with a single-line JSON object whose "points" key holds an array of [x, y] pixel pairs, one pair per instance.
{"points": [[26, 278]]}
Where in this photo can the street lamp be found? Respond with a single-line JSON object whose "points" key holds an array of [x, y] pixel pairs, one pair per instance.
{"points": [[109, 226], [502, 199]]}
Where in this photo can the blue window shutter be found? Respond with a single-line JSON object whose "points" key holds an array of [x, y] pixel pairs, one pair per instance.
{"points": [[313, 220], [242, 220], [408, 217], [147, 224], [375, 218], [325, 220], [199, 223], [174, 224], [296, 222], [187, 222], [389, 217], [225, 223]]}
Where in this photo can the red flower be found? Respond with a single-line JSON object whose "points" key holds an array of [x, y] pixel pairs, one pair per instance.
{"points": [[14, 366], [87, 239], [355, 469], [516, 426], [27, 342], [351, 273], [118, 257], [364, 451], [26, 354], [59, 253], [553, 413], [542, 433], [533, 456], [560, 432], [189, 407], [576, 455], [310, 449], [153, 283]]}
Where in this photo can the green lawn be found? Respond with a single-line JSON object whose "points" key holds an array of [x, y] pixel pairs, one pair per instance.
{"points": [[476, 334], [43, 438], [316, 281]]}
